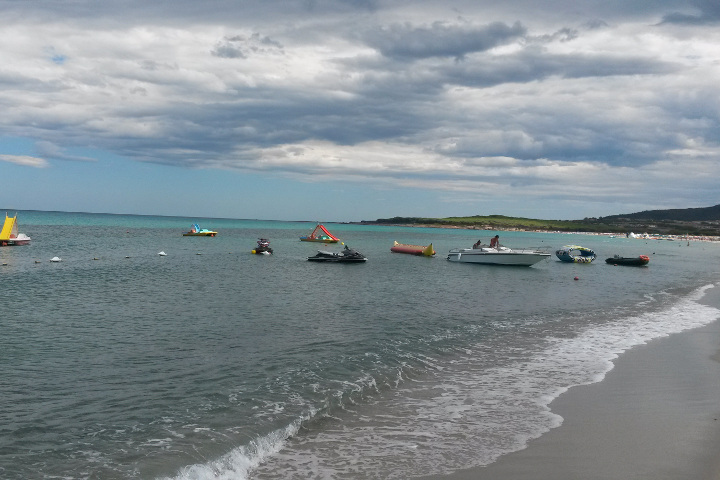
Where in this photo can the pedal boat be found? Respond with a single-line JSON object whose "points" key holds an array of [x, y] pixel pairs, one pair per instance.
{"points": [[196, 231]]}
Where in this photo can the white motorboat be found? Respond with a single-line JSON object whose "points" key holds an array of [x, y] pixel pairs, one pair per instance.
{"points": [[524, 257]]}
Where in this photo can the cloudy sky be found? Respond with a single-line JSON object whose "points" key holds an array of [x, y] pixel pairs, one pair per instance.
{"points": [[348, 110]]}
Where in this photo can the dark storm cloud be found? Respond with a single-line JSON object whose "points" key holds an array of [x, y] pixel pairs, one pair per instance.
{"points": [[407, 42], [534, 64], [708, 13], [240, 46]]}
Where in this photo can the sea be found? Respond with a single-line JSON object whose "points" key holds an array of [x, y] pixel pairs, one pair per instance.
{"points": [[210, 362]]}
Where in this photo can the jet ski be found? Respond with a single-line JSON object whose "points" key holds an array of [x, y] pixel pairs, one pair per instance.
{"points": [[348, 255], [263, 247]]}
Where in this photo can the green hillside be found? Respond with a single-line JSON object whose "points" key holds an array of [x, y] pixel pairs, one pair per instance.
{"points": [[619, 224], [499, 222]]}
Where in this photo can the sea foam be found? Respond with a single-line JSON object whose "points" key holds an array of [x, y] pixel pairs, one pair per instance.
{"points": [[460, 418]]}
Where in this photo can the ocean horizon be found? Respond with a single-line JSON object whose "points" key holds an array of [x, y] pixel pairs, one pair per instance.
{"points": [[211, 362], [37, 216]]}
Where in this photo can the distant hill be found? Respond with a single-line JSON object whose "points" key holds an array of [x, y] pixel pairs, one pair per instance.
{"points": [[688, 221], [705, 214]]}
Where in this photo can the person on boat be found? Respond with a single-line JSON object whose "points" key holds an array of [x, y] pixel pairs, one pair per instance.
{"points": [[477, 244], [495, 241]]}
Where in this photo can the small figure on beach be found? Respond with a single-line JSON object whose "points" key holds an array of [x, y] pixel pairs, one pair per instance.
{"points": [[495, 241]]}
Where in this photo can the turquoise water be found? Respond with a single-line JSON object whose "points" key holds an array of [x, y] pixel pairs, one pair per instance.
{"points": [[211, 362]]}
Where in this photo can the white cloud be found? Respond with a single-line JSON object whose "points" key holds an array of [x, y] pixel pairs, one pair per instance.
{"points": [[50, 150], [25, 160]]}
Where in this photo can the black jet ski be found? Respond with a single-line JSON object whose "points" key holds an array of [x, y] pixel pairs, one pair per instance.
{"points": [[263, 247], [348, 255]]}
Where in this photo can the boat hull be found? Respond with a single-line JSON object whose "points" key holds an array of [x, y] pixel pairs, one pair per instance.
{"points": [[12, 242], [21, 239], [337, 260], [520, 258]]}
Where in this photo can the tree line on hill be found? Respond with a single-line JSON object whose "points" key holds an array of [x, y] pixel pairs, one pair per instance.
{"points": [[704, 214], [691, 221]]}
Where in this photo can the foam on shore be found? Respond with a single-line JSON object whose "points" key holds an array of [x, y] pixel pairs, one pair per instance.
{"points": [[655, 415]]}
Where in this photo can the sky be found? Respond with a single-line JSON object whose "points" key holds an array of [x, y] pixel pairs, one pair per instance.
{"points": [[347, 110]]}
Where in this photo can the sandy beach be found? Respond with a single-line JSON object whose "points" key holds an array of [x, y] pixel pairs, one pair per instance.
{"points": [[656, 415]]}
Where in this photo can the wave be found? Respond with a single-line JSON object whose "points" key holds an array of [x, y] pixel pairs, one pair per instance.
{"points": [[461, 414], [237, 464]]}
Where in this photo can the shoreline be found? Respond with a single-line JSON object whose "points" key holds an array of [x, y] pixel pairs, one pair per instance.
{"points": [[489, 228], [656, 414]]}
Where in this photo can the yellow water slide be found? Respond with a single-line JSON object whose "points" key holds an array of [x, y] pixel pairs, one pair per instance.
{"points": [[7, 228]]}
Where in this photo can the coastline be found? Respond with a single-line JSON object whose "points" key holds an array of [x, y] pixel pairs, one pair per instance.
{"points": [[656, 415], [490, 228]]}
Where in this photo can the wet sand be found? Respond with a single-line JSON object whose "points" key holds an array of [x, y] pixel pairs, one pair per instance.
{"points": [[656, 416]]}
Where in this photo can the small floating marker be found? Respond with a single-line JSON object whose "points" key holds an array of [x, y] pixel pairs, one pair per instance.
{"points": [[56, 259], [577, 278], [162, 254]]}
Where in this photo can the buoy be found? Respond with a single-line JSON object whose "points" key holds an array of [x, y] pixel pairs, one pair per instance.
{"points": [[577, 278], [253, 251]]}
